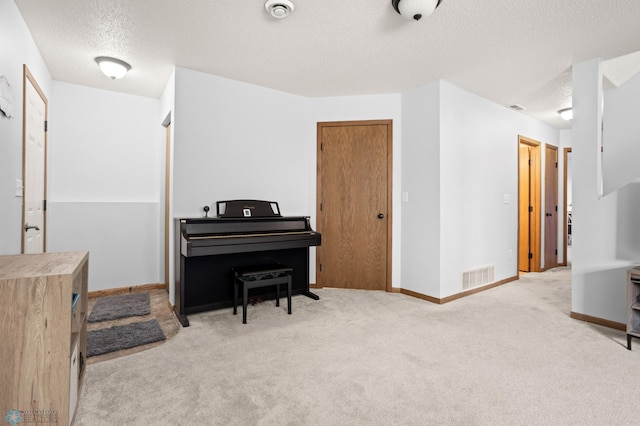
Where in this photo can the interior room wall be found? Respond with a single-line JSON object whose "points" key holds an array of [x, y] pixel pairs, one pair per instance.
{"points": [[565, 142], [232, 118], [621, 135], [104, 168], [235, 140], [355, 108], [478, 155], [239, 140], [598, 275], [167, 106], [16, 48], [421, 190]]}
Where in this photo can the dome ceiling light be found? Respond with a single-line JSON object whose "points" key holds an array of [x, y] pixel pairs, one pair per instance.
{"points": [[112, 67], [415, 9], [566, 113]]}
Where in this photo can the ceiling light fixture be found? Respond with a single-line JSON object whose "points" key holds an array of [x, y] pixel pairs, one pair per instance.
{"points": [[112, 67], [279, 8], [566, 113], [415, 9]]}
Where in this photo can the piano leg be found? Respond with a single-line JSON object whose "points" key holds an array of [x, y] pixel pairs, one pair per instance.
{"points": [[183, 319], [311, 295]]}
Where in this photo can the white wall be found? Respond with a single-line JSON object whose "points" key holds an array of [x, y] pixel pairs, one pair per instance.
{"points": [[167, 106], [420, 168], [233, 140], [478, 157], [236, 140], [621, 135], [565, 142], [16, 48], [353, 108], [105, 162], [226, 130], [598, 275]]}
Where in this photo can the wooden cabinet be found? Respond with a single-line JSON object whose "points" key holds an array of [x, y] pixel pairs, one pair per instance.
{"points": [[633, 304], [43, 329]]}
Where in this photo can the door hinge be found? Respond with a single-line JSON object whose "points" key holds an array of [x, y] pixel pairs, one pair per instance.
{"points": [[44, 205], [529, 162], [320, 206], [530, 209], [46, 125], [321, 146], [530, 255], [321, 267], [556, 252], [556, 164], [556, 208]]}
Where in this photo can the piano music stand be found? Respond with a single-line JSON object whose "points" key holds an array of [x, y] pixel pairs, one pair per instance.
{"points": [[260, 276]]}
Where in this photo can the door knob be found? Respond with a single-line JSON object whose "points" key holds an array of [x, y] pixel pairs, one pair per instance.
{"points": [[380, 216], [27, 227]]}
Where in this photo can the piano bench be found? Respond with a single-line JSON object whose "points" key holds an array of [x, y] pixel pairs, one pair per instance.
{"points": [[249, 277]]}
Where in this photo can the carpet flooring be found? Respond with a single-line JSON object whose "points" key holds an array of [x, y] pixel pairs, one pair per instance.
{"points": [[510, 355]]}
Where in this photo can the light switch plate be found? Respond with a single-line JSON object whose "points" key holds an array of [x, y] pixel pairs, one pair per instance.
{"points": [[18, 188]]}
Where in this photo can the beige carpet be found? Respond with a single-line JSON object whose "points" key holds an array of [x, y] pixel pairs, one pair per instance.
{"points": [[507, 356]]}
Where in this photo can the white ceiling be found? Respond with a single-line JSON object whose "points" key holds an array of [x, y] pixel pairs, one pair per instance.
{"points": [[509, 51]]}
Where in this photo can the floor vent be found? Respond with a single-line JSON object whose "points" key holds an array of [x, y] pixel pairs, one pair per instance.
{"points": [[477, 277]]}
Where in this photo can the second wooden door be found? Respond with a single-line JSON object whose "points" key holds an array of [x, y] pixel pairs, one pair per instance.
{"points": [[354, 205]]}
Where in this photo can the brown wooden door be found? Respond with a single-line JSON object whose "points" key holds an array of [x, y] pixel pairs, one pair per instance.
{"points": [[524, 204], [551, 207], [354, 205], [529, 205]]}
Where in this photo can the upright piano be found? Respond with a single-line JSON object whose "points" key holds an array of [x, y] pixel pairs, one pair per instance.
{"points": [[244, 233]]}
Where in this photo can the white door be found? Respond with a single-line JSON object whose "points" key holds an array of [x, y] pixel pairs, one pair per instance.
{"points": [[34, 148]]}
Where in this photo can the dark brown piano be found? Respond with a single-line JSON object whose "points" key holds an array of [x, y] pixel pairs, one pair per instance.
{"points": [[245, 233]]}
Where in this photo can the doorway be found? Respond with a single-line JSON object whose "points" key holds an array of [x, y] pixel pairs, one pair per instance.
{"points": [[167, 200], [167, 203], [568, 210], [34, 166], [551, 207], [528, 205], [354, 204]]}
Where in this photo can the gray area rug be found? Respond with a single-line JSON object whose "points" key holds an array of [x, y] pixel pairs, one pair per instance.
{"points": [[122, 306], [121, 337]]}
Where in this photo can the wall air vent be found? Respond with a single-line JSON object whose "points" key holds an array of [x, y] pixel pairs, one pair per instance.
{"points": [[477, 277]]}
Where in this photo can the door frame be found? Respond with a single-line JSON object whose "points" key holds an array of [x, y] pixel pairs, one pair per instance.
{"points": [[535, 185], [548, 147], [167, 201], [565, 212], [28, 77], [389, 124]]}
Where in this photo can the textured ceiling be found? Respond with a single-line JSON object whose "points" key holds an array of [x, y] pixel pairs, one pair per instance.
{"points": [[509, 51]]}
